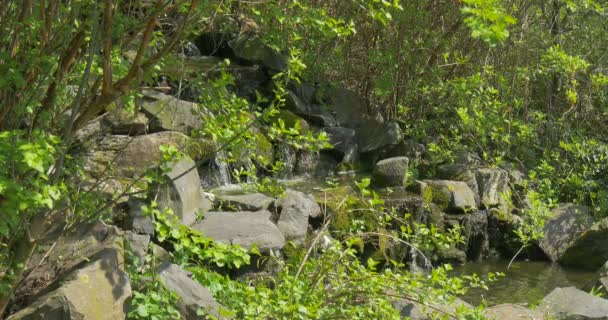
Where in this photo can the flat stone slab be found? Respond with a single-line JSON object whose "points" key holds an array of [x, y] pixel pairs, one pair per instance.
{"points": [[242, 228], [247, 202], [573, 304]]}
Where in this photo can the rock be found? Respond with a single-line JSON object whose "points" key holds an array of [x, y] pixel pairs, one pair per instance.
{"points": [[460, 172], [590, 249], [348, 108], [501, 231], [292, 120], [454, 196], [160, 254], [475, 232], [61, 254], [452, 256], [340, 138], [406, 202], [407, 148], [125, 156], [259, 146], [315, 163], [512, 312], [600, 281], [253, 49], [390, 172], [467, 158], [137, 220], [100, 290], [243, 228], [247, 202], [567, 223], [183, 193], [313, 113], [120, 121], [248, 80], [169, 113], [493, 188], [193, 296], [373, 135], [573, 304], [294, 210], [138, 245]]}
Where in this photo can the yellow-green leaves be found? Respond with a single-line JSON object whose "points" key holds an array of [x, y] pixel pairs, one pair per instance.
{"points": [[488, 20]]}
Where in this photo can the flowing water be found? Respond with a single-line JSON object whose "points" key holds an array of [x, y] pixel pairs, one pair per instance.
{"points": [[525, 282]]}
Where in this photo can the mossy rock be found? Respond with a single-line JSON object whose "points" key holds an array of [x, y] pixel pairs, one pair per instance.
{"points": [[200, 148], [290, 119], [258, 145]]}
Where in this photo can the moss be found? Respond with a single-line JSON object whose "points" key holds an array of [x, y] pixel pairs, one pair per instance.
{"points": [[200, 148], [290, 119]]}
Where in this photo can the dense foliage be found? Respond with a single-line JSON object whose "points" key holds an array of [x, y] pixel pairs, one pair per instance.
{"points": [[521, 83]]}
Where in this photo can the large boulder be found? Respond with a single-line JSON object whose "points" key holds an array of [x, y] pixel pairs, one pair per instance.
{"points": [[243, 228], [294, 210], [121, 121], [192, 295], [246, 202], [348, 108], [183, 192], [311, 112], [409, 309], [512, 312], [169, 113], [136, 220], [342, 139], [125, 156], [390, 172], [493, 188], [573, 304], [312, 163], [460, 172], [590, 249], [407, 148], [566, 225], [253, 49], [98, 291], [453, 196], [373, 135], [61, 254]]}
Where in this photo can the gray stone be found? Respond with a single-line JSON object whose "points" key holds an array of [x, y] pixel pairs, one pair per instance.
{"points": [[183, 193], [407, 148], [590, 249], [242, 228], [390, 172], [313, 113], [493, 187], [137, 220], [120, 121], [193, 296], [295, 209], [340, 138], [169, 113], [247, 202], [373, 135], [460, 172], [449, 195], [253, 49], [512, 312], [567, 223], [61, 254], [573, 304], [125, 156], [348, 108], [98, 291], [315, 163], [138, 244]]}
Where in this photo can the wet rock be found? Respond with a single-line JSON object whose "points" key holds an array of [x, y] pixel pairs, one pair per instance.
{"points": [[590, 249], [501, 231], [390, 172], [169, 113], [493, 188], [512, 312], [294, 210], [183, 192], [99, 290], [566, 225], [342, 139], [193, 296], [247, 202], [125, 156], [243, 228], [121, 121], [253, 49], [454, 196], [318, 164], [573, 304]]}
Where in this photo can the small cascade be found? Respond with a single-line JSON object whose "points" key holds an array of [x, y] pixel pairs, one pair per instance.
{"points": [[287, 155], [420, 263], [221, 170]]}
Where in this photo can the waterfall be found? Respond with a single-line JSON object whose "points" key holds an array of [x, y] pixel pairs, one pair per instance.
{"points": [[221, 169], [421, 217], [287, 155]]}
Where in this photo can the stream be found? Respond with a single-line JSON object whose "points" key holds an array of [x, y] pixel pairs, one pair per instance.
{"points": [[525, 282]]}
